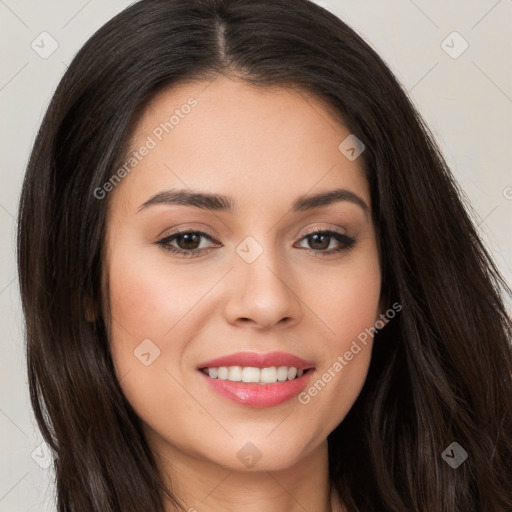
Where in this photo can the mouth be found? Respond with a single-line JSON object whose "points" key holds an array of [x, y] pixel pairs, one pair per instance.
{"points": [[257, 380], [251, 374]]}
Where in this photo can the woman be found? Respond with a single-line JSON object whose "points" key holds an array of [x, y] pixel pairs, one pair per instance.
{"points": [[250, 281]]}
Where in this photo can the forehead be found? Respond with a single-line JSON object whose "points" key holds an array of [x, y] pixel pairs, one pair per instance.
{"points": [[238, 139]]}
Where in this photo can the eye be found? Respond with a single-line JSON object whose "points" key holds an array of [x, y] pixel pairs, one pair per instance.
{"points": [[320, 240], [188, 242]]}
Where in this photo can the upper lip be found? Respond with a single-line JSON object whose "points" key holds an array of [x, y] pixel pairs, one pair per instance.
{"points": [[257, 360]]}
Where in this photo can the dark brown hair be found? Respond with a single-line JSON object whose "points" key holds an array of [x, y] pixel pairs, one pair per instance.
{"points": [[441, 371]]}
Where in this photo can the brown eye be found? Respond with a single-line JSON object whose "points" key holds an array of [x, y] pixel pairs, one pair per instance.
{"points": [[185, 243], [188, 241], [319, 241]]}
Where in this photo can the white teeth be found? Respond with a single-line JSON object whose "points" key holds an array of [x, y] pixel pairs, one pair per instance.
{"points": [[235, 373], [251, 374], [268, 374], [282, 373], [222, 373]]}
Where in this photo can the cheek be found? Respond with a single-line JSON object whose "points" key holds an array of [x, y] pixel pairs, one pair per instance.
{"points": [[147, 299], [146, 310], [350, 306], [349, 298], [141, 313], [154, 311]]}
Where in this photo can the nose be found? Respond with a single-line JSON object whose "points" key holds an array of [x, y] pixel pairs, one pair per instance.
{"points": [[262, 293]]}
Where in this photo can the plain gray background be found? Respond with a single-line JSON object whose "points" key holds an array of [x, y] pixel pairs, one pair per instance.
{"points": [[464, 94]]}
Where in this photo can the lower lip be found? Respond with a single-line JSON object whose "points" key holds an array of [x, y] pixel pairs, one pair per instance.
{"points": [[259, 395]]}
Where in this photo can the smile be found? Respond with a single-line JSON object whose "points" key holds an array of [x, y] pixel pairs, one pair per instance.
{"points": [[269, 375], [257, 380]]}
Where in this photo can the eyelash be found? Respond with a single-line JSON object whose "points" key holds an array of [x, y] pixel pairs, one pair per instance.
{"points": [[346, 242]]}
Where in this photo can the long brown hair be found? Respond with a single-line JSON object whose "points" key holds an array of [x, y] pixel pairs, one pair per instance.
{"points": [[441, 371]]}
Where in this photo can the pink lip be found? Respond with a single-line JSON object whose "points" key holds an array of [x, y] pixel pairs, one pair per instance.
{"points": [[258, 395], [258, 360], [253, 394]]}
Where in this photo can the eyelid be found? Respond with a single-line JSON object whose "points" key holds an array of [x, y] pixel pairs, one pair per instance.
{"points": [[337, 229], [215, 236], [341, 236], [176, 231]]}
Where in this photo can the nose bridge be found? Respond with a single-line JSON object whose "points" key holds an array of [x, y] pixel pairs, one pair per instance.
{"points": [[262, 284]]}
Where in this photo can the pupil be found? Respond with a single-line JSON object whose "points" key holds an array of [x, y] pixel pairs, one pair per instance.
{"points": [[189, 239], [324, 245]]}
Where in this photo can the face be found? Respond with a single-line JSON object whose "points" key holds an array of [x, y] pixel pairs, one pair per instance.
{"points": [[264, 284]]}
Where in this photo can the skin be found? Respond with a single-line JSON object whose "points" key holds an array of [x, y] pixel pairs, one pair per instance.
{"points": [[264, 148]]}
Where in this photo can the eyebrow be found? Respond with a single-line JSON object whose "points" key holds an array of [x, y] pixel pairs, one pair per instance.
{"points": [[218, 202]]}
